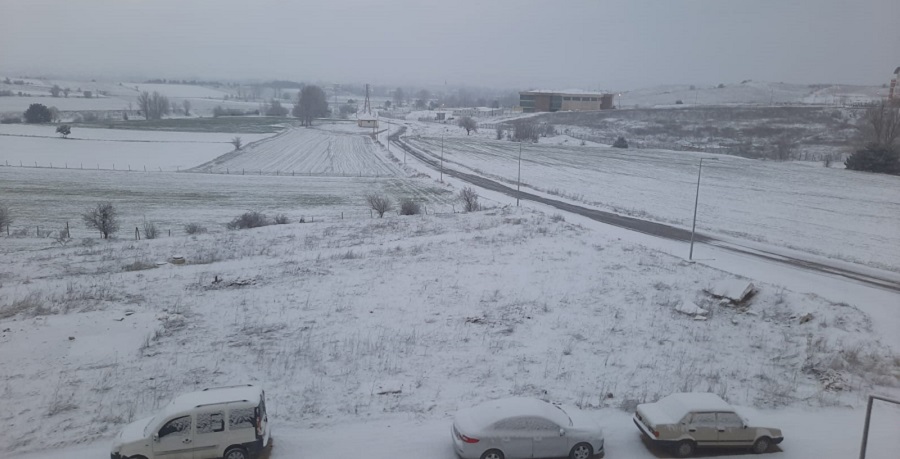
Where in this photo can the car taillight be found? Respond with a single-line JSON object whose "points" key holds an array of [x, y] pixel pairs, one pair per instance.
{"points": [[656, 434], [467, 439]]}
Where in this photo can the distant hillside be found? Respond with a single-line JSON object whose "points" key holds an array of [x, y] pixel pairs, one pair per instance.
{"points": [[751, 93]]}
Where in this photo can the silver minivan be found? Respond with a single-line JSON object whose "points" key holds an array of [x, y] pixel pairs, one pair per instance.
{"points": [[228, 422]]}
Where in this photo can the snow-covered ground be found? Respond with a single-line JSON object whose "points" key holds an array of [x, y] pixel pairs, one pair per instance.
{"points": [[49, 198], [850, 216], [336, 152], [749, 92], [326, 315], [41, 146]]}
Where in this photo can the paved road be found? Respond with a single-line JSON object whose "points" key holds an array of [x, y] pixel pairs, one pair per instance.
{"points": [[644, 226]]}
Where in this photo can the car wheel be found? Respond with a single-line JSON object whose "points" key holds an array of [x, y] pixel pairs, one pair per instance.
{"points": [[235, 453], [581, 451], [761, 445], [492, 454], [684, 449]]}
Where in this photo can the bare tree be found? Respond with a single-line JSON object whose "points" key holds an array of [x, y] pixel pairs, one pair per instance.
{"points": [[469, 198], [380, 204], [55, 90], [186, 104], [880, 125], [525, 130], [66, 91], [311, 103], [784, 148], [5, 216], [153, 106], [467, 123], [499, 131], [103, 218], [399, 97]]}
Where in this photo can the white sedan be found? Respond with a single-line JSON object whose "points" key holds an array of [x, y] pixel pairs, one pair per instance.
{"points": [[513, 428]]}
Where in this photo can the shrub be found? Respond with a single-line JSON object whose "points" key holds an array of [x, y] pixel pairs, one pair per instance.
{"points": [[10, 120], [103, 218], [620, 143], [875, 158], [248, 220], [194, 228], [64, 130], [37, 113], [281, 219], [380, 204], [469, 198], [150, 230], [410, 207], [236, 141]]}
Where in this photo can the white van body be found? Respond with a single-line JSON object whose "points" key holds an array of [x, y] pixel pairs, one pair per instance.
{"points": [[227, 422]]}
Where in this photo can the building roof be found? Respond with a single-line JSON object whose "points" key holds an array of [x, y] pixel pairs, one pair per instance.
{"points": [[566, 92]]}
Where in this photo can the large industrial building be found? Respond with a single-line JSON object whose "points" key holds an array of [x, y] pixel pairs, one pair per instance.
{"points": [[554, 101]]}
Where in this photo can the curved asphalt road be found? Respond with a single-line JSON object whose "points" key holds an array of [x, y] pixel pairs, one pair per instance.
{"points": [[644, 226]]}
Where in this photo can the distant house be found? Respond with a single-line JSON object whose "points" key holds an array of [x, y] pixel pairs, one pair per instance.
{"points": [[571, 100], [367, 120]]}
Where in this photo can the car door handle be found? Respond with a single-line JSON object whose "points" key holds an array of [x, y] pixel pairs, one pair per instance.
{"points": [[721, 430], [186, 440], [692, 430]]}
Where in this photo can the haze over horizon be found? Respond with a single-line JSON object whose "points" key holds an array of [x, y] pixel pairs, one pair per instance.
{"points": [[587, 44]]}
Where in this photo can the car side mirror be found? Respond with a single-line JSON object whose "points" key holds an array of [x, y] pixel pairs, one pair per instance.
{"points": [[156, 437], [745, 426], [562, 432]]}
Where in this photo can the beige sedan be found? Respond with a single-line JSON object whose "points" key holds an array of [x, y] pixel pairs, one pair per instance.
{"points": [[687, 421]]}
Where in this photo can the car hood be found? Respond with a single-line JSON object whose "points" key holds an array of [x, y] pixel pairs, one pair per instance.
{"points": [[132, 432], [583, 425]]}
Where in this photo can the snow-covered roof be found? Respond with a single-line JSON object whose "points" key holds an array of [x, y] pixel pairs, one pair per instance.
{"points": [[484, 415], [190, 400], [572, 92], [676, 406]]}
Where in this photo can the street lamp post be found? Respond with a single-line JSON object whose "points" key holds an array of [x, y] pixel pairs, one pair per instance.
{"points": [[519, 179], [442, 157], [696, 201]]}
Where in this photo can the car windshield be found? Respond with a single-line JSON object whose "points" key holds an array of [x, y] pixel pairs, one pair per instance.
{"points": [[387, 213]]}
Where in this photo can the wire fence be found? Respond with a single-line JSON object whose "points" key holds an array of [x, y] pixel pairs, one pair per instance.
{"points": [[228, 171]]}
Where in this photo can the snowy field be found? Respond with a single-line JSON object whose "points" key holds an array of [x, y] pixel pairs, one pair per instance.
{"points": [[850, 216], [328, 315], [88, 148], [310, 151], [49, 198]]}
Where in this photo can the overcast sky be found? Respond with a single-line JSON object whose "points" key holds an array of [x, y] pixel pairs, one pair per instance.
{"points": [[587, 44]]}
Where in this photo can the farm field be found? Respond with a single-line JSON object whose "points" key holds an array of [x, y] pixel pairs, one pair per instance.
{"points": [[91, 148], [509, 301], [828, 212], [309, 151], [51, 197]]}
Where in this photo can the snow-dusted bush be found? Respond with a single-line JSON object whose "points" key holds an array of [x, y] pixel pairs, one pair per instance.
{"points": [[248, 220], [469, 198], [410, 207], [194, 228]]}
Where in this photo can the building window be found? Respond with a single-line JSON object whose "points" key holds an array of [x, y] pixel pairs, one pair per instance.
{"points": [[567, 98]]}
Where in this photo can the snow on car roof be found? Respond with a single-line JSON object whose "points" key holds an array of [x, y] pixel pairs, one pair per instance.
{"points": [[209, 396], [678, 405], [487, 413]]}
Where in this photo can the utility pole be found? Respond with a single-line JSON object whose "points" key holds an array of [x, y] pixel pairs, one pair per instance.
{"points": [[696, 200], [442, 157], [519, 179]]}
